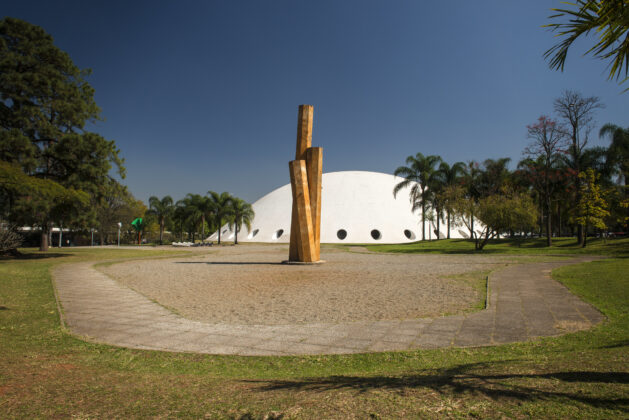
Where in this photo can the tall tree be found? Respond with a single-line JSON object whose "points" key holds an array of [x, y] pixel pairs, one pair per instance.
{"points": [[163, 210], [618, 157], [618, 152], [195, 206], [45, 103], [117, 205], [449, 176], [417, 175], [577, 114], [241, 214], [471, 180], [493, 176], [222, 209], [184, 218], [592, 205], [548, 142], [607, 19]]}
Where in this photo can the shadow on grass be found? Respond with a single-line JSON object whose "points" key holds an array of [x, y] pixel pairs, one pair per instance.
{"points": [[624, 343], [33, 256], [229, 262], [460, 380]]}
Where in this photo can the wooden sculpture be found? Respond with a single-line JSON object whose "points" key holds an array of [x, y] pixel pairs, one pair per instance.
{"points": [[305, 180]]}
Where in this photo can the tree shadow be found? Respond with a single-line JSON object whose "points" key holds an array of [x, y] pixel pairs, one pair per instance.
{"points": [[461, 380], [624, 343], [33, 256], [229, 262]]}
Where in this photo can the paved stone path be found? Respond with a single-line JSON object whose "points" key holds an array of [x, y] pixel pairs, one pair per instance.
{"points": [[524, 303]]}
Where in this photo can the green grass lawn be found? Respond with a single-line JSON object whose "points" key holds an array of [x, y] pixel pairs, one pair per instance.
{"points": [[595, 246], [45, 372]]}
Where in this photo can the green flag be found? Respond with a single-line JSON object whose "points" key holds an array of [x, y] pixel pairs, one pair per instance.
{"points": [[138, 224]]}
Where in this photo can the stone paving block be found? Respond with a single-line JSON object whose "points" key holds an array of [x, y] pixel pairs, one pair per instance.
{"points": [[280, 346], [354, 343], [243, 341], [509, 336], [324, 340], [473, 337], [389, 346], [435, 340], [364, 334], [223, 349], [399, 338]]}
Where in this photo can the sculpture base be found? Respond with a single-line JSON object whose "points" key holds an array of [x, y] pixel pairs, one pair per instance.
{"points": [[287, 262]]}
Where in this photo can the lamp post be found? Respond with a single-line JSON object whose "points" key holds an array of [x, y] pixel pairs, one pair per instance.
{"points": [[119, 227]]}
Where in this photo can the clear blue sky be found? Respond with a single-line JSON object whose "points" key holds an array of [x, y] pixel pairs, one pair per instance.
{"points": [[203, 95]]}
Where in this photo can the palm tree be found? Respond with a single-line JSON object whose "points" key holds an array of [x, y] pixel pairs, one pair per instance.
{"points": [[194, 204], [618, 152], [162, 209], [222, 208], [471, 179], [449, 176], [205, 208], [241, 213], [605, 19], [180, 217], [494, 176], [417, 176]]}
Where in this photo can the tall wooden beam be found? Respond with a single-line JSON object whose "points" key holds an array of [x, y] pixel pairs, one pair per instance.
{"points": [[299, 183], [304, 130], [314, 167], [304, 141]]}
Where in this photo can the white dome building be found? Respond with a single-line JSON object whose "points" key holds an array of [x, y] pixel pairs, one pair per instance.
{"points": [[356, 207]]}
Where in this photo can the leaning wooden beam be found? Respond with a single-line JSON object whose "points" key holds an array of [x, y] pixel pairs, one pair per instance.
{"points": [[299, 184], [314, 167], [304, 141]]}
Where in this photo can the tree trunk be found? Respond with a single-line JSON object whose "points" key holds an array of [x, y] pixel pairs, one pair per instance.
{"points": [[585, 234], [548, 222], [578, 200], [43, 244], [559, 219], [472, 226], [235, 234], [220, 226], [448, 217], [202, 228], [541, 219], [438, 223], [423, 221], [161, 231]]}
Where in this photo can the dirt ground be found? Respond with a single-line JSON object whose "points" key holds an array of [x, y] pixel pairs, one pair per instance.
{"points": [[249, 285]]}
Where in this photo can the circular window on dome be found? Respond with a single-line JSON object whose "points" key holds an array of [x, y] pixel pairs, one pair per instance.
{"points": [[341, 234], [409, 234], [278, 234], [376, 234], [253, 233]]}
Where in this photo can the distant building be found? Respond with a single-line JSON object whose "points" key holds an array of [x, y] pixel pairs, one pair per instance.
{"points": [[357, 207]]}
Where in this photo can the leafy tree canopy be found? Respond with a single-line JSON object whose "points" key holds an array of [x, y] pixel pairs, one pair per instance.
{"points": [[607, 19], [45, 103]]}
